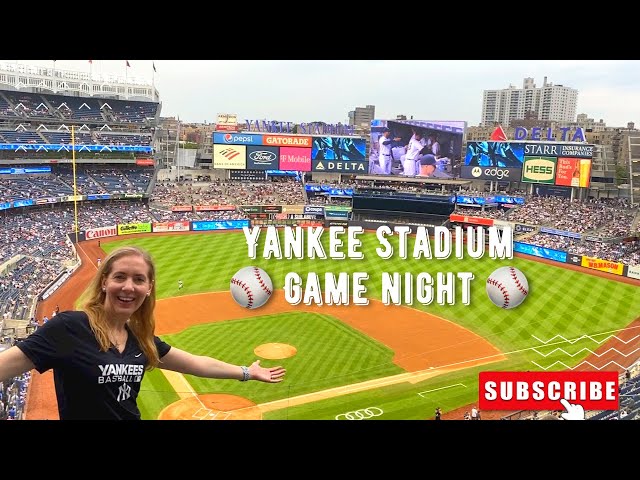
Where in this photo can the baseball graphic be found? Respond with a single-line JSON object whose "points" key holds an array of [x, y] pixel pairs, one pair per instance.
{"points": [[507, 287], [251, 287]]}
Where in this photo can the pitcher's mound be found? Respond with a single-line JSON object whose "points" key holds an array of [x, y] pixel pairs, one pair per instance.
{"points": [[212, 407], [275, 351]]}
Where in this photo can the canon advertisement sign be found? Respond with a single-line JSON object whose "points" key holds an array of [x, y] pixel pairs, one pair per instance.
{"points": [[110, 231]]}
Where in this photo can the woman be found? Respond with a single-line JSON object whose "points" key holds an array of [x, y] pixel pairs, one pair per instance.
{"points": [[99, 355]]}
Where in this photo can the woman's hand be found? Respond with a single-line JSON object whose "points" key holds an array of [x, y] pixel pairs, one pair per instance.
{"points": [[269, 375]]}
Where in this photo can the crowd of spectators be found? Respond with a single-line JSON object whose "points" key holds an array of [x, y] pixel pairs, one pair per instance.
{"points": [[219, 192], [13, 394], [23, 282], [495, 213], [594, 219], [555, 242], [602, 217], [36, 233], [89, 181]]}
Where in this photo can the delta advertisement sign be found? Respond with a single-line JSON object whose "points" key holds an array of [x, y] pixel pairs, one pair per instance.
{"points": [[241, 151], [545, 163]]}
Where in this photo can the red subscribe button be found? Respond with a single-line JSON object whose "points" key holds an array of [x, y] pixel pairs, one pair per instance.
{"points": [[544, 390]]}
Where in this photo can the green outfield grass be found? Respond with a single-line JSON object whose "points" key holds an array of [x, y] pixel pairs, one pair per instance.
{"points": [[560, 302]]}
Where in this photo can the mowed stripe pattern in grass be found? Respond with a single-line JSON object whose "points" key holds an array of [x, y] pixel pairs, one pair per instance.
{"points": [[329, 353]]}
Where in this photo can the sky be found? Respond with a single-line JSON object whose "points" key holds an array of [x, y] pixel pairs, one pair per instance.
{"points": [[326, 90]]}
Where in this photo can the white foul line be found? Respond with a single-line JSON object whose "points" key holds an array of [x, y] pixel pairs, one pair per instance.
{"points": [[442, 388]]}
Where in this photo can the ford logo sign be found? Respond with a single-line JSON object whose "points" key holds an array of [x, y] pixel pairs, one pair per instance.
{"points": [[262, 156]]}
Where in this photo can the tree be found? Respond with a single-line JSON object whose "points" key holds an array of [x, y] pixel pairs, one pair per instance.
{"points": [[622, 174]]}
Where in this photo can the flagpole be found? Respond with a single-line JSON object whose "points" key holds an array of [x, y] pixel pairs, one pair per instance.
{"points": [[126, 83], [177, 150], [75, 186], [91, 76]]}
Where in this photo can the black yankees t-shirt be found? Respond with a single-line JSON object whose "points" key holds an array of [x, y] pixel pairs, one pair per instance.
{"points": [[90, 384]]}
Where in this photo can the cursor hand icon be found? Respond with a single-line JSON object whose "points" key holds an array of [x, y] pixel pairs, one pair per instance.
{"points": [[574, 411]]}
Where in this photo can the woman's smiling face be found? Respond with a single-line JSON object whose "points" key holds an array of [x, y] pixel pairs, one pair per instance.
{"points": [[126, 286]]}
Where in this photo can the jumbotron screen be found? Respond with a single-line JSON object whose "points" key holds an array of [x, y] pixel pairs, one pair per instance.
{"points": [[416, 148]]}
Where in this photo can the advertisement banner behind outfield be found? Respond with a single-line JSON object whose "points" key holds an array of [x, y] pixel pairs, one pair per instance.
{"points": [[262, 158], [214, 208], [129, 228], [330, 213], [109, 231], [574, 258], [230, 156], [340, 208], [181, 208], [602, 265], [227, 122], [454, 217], [633, 271], [101, 196], [573, 172], [287, 141], [220, 225], [68, 198], [237, 139], [539, 169], [537, 251], [501, 224], [293, 158], [313, 210], [335, 167], [293, 209], [336, 223], [541, 162], [522, 228], [271, 209], [171, 227]]}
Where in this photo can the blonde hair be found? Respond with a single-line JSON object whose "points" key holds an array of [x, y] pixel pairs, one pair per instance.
{"points": [[142, 322]]}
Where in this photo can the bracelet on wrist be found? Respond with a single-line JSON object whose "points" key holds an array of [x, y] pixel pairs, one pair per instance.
{"points": [[245, 373]]}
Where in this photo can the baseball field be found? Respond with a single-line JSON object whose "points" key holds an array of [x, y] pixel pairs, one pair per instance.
{"points": [[390, 362]]}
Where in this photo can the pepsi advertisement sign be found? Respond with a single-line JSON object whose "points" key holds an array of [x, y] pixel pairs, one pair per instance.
{"points": [[237, 139]]}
